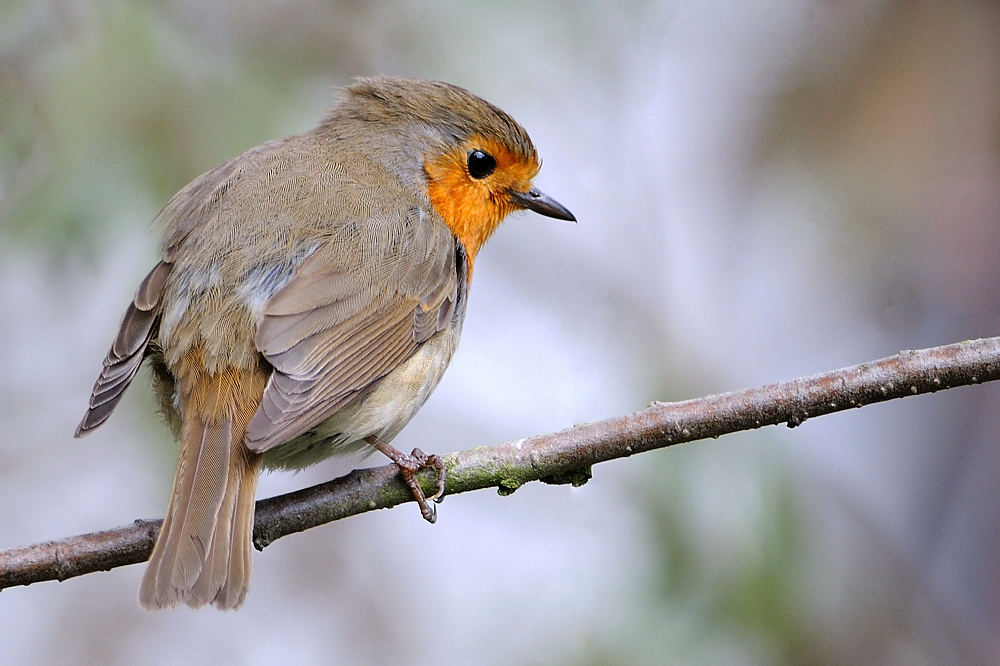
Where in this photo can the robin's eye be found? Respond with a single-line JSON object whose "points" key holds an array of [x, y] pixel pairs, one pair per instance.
{"points": [[481, 164]]}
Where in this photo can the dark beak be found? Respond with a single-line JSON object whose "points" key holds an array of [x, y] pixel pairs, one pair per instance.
{"points": [[541, 203]]}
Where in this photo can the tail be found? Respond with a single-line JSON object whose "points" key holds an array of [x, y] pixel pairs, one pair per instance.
{"points": [[202, 554]]}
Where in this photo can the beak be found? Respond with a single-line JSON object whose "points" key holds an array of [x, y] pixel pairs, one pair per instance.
{"points": [[534, 199]]}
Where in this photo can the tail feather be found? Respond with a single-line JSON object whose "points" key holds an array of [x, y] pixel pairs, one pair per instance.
{"points": [[192, 515], [203, 553], [225, 578]]}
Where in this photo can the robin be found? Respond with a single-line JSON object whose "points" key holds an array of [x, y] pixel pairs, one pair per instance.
{"points": [[310, 297]]}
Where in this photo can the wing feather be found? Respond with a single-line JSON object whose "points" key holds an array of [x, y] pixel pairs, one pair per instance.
{"points": [[345, 320], [128, 349]]}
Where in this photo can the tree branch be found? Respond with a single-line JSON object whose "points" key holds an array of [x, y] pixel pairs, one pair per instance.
{"points": [[561, 457]]}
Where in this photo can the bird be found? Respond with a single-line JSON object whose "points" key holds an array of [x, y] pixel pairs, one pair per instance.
{"points": [[309, 297]]}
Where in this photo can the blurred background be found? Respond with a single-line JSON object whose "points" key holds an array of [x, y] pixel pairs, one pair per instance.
{"points": [[764, 190]]}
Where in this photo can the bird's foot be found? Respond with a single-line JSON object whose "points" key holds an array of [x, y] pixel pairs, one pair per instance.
{"points": [[409, 467]]}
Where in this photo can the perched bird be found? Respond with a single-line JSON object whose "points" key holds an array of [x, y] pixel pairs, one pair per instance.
{"points": [[310, 296]]}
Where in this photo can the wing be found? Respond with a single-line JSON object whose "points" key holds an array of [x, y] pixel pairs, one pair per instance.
{"points": [[362, 304], [128, 349]]}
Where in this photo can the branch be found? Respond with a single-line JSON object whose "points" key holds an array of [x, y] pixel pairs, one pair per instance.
{"points": [[561, 457]]}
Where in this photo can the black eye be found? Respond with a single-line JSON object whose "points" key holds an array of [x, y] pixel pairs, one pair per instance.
{"points": [[481, 164]]}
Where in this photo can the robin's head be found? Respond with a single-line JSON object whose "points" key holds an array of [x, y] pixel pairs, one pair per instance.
{"points": [[474, 162]]}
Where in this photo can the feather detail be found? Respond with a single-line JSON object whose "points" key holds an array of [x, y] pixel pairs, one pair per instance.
{"points": [[127, 351], [331, 334], [202, 554]]}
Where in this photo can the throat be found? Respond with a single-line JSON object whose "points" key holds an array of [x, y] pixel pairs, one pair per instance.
{"points": [[468, 208], [471, 221]]}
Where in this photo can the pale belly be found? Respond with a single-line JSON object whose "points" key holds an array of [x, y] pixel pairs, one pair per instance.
{"points": [[383, 412]]}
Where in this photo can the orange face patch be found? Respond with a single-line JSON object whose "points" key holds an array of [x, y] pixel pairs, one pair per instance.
{"points": [[473, 208]]}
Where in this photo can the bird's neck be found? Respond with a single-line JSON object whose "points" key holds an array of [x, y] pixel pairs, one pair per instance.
{"points": [[461, 204]]}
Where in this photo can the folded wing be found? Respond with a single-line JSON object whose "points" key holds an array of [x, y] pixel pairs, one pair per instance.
{"points": [[128, 349], [351, 314]]}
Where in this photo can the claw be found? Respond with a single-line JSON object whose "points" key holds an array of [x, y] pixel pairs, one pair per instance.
{"points": [[409, 467], [429, 512], [434, 461]]}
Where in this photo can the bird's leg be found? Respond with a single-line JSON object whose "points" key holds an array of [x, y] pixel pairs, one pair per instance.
{"points": [[411, 465]]}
